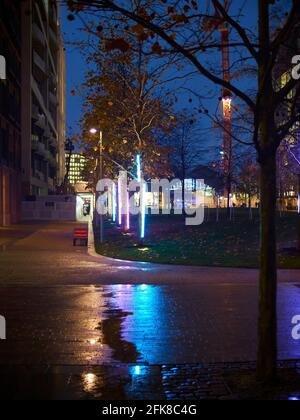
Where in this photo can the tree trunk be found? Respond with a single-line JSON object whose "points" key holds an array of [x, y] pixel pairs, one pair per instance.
{"points": [[267, 328], [298, 232], [267, 323]]}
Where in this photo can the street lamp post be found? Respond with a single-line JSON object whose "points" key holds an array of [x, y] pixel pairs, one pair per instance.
{"points": [[94, 131]]}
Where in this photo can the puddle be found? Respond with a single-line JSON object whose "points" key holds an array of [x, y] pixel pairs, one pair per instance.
{"points": [[111, 332], [135, 322], [158, 324]]}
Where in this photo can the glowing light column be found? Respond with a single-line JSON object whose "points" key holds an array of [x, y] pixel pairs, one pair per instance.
{"points": [[138, 168], [120, 201], [114, 203], [143, 211], [127, 227], [143, 190]]}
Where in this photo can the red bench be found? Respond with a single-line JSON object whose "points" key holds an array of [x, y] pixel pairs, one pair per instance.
{"points": [[81, 235]]}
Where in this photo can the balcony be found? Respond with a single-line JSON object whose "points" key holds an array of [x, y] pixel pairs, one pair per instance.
{"points": [[39, 62], [53, 98], [35, 112], [50, 159], [47, 133], [53, 162], [38, 34], [41, 122], [41, 150], [39, 175], [40, 100], [53, 35], [53, 141], [38, 147], [34, 142], [51, 184], [52, 82], [37, 92]]}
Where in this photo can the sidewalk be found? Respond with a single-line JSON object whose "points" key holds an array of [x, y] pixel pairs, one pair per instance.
{"points": [[9, 235]]}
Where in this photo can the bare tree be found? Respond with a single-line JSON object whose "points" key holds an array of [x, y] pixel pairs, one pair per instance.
{"points": [[184, 148], [247, 180]]}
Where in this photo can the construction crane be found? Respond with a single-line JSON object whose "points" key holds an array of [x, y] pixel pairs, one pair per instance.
{"points": [[217, 23]]}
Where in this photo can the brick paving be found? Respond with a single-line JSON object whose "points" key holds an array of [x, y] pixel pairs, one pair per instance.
{"points": [[196, 382]]}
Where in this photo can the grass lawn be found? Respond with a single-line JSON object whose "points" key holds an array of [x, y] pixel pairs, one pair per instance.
{"points": [[224, 243]]}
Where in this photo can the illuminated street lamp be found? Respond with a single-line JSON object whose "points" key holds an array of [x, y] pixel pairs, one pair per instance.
{"points": [[100, 144]]}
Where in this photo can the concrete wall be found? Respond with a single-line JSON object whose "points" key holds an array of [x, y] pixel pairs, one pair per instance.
{"points": [[50, 208]]}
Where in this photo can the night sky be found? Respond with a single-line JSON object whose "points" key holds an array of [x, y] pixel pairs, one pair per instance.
{"points": [[77, 68]]}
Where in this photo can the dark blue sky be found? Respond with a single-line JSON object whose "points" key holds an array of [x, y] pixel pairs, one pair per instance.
{"points": [[77, 68]]}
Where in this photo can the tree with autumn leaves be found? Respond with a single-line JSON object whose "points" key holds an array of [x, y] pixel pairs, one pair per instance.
{"points": [[177, 27], [126, 96]]}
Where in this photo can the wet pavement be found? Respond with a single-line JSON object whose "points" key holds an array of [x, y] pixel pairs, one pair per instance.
{"points": [[94, 328], [149, 324]]}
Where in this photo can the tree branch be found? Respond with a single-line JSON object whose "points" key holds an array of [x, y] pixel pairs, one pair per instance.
{"points": [[109, 5]]}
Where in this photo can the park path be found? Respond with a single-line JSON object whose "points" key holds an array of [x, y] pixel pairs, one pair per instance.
{"points": [[44, 254]]}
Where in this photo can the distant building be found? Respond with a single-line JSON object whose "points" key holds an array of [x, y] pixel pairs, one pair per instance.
{"points": [[77, 165], [10, 112], [283, 73], [43, 98], [289, 195]]}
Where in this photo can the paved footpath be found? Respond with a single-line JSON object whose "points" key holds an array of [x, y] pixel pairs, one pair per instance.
{"points": [[90, 320]]}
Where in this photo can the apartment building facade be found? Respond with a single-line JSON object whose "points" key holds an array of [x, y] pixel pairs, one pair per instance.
{"points": [[43, 98], [10, 112]]}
